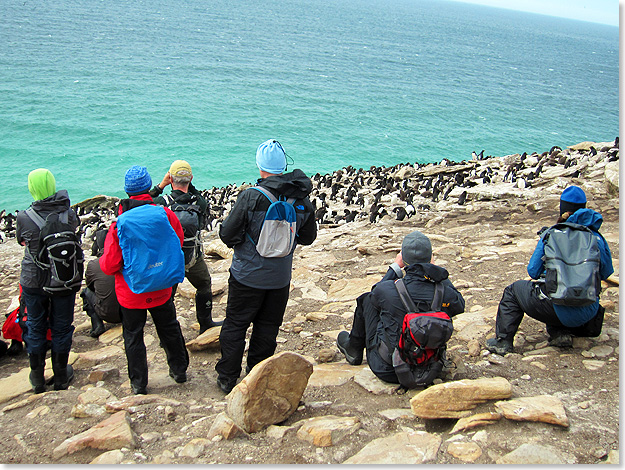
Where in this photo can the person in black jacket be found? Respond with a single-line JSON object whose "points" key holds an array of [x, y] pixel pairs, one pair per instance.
{"points": [[379, 314], [179, 177], [259, 286], [45, 310]]}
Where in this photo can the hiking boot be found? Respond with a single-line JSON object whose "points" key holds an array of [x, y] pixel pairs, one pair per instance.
{"points": [[36, 376], [16, 348], [499, 346], [179, 378], [138, 390], [226, 385], [63, 372], [3, 348], [561, 340], [352, 354]]}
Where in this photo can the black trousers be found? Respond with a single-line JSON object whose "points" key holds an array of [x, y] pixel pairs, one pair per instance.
{"points": [[200, 278], [365, 334], [525, 297], [169, 334], [262, 308]]}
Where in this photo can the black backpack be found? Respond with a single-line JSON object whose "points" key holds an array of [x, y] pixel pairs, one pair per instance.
{"points": [[189, 214], [572, 262], [419, 357], [60, 255]]}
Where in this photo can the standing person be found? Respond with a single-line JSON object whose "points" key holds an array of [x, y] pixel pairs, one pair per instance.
{"points": [[45, 310], [258, 287], [98, 297], [135, 305], [184, 199], [531, 297], [380, 313]]}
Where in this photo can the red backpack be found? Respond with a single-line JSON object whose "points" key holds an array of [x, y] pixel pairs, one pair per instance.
{"points": [[16, 320], [419, 357]]}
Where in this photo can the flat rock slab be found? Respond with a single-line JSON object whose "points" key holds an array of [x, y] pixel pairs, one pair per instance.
{"points": [[130, 402], [480, 419], [92, 358], [531, 454], [18, 383], [465, 451], [270, 393], [350, 289], [112, 433], [368, 380], [326, 431], [207, 340], [454, 399], [404, 448], [544, 408], [333, 374], [111, 334]]}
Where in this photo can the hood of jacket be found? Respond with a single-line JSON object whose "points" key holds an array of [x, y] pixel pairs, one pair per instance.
{"points": [[41, 184], [58, 202], [587, 217], [294, 184], [428, 271]]}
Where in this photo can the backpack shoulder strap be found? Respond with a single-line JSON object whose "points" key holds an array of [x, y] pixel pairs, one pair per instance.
{"points": [[168, 199], [404, 296], [266, 192], [437, 301], [410, 306], [35, 217]]}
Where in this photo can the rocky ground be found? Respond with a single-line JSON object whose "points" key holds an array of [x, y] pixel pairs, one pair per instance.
{"points": [[484, 238]]}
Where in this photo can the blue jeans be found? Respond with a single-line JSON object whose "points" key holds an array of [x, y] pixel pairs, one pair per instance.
{"points": [[45, 311]]}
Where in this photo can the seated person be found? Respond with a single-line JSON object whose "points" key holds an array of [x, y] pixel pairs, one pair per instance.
{"points": [[98, 298], [530, 297], [379, 314]]}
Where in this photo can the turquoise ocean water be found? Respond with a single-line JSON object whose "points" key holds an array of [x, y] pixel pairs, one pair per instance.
{"points": [[91, 87]]}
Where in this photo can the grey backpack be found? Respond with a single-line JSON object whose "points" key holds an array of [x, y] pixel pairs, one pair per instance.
{"points": [[572, 261], [279, 229]]}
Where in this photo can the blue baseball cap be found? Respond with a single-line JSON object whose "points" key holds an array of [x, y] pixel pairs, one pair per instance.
{"points": [[270, 157], [572, 198]]}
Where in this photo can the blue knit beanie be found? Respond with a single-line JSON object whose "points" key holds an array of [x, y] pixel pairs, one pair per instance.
{"points": [[572, 198], [137, 180], [270, 157]]}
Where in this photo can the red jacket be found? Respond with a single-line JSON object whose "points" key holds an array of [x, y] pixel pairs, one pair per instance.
{"points": [[112, 262]]}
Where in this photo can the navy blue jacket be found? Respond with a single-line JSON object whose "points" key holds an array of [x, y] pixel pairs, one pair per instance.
{"points": [[576, 316]]}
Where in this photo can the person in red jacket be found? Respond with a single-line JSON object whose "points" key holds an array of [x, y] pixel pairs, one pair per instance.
{"points": [[134, 306]]}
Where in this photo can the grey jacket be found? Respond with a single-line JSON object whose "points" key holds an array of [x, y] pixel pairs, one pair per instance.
{"points": [[241, 229], [27, 233]]}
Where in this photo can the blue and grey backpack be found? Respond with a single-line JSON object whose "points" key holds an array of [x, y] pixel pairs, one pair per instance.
{"points": [[572, 261], [153, 259], [279, 229]]}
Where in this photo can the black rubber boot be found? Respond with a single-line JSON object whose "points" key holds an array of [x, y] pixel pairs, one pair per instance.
{"points": [[204, 307], [88, 305], [63, 372], [37, 366], [97, 325]]}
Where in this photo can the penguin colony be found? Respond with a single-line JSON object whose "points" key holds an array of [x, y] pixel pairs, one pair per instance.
{"points": [[351, 194]]}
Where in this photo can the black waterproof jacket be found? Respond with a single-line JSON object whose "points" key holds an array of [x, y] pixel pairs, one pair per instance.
{"points": [[27, 233], [419, 281], [241, 229]]}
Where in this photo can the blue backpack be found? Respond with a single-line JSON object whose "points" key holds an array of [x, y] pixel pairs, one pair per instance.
{"points": [[153, 259], [277, 234]]}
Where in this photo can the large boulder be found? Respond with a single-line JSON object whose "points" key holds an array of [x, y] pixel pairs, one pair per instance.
{"points": [[270, 393]]}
